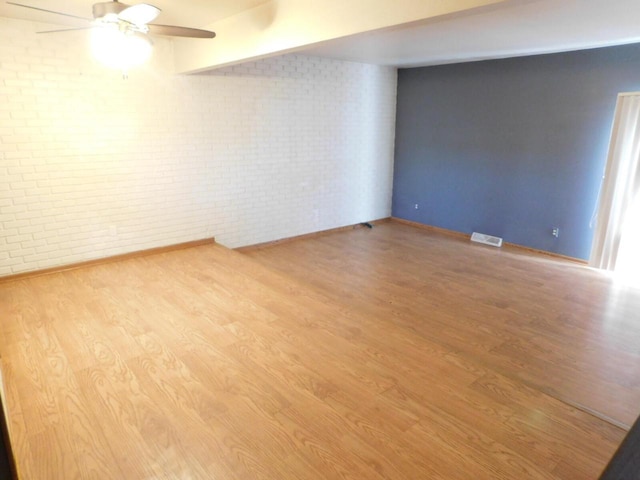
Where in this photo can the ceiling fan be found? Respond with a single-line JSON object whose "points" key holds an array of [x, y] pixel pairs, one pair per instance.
{"points": [[128, 19]]}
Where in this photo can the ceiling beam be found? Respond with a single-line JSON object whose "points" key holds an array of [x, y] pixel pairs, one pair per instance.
{"points": [[281, 26]]}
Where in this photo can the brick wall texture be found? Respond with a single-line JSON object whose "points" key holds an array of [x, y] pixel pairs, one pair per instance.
{"points": [[92, 165]]}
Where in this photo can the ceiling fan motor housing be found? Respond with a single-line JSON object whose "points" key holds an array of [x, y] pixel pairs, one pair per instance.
{"points": [[129, 19], [102, 9]]}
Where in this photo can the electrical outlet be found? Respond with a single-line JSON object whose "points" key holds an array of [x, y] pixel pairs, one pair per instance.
{"points": [[555, 232], [416, 206]]}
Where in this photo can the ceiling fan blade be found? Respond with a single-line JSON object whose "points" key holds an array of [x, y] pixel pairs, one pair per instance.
{"points": [[48, 11], [175, 31], [139, 14], [67, 30]]}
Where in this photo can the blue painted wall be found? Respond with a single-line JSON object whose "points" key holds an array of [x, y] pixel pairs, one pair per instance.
{"points": [[510, 147]]}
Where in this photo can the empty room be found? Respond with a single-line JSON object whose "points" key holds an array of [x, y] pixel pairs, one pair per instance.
{"points": [[290, 239]]}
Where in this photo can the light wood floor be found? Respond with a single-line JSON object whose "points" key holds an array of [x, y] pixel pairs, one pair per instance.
{"points": [[389, 353]]}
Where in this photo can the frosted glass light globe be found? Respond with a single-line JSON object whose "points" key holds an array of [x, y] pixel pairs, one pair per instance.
{"points": [[120, 49]]}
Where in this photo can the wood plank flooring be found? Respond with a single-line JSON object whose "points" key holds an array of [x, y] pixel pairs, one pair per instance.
{"points": [[388, 353]]}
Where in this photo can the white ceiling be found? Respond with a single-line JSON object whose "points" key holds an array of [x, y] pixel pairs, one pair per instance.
{"points": [[513, 28]]}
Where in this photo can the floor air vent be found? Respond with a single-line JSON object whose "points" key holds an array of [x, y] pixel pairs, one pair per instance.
{"points": [[486, 239]]}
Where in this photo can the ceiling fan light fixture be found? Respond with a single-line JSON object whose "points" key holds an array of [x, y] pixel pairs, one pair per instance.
{"points": [[120, 49], [139, 14]]}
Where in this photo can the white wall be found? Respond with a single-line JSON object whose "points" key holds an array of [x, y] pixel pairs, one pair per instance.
{"points": [[92, 165]]}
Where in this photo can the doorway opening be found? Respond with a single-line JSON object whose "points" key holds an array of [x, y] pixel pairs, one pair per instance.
{"points": [[628, 261], [616, 244]]}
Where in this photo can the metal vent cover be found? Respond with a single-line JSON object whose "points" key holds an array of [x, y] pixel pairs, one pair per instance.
{"points": [[486, 239]]}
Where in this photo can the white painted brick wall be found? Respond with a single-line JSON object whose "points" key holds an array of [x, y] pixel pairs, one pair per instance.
{"points": [[92, 165]]}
